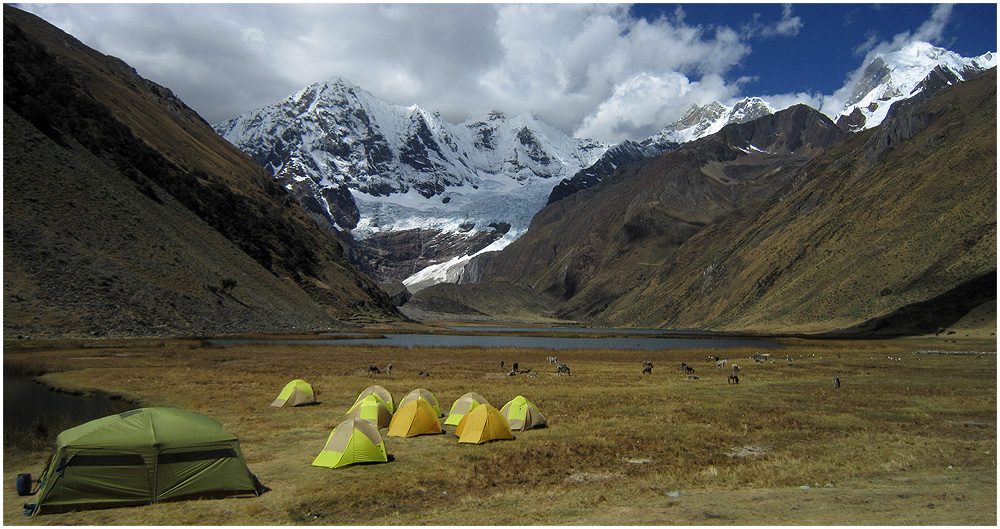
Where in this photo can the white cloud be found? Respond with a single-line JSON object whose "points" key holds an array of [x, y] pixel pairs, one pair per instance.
{"points": [[641, 105], [565, 61], [558, 61], [586, 68]]}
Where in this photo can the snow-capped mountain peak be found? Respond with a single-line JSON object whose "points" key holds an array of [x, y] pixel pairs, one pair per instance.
{"points": [[901, 74], [700, 121], [404, 166]]}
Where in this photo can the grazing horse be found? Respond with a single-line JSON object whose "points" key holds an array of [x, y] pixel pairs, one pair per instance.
{"points": [[374, 370], [388, 369], [836, 382], [562, 368], [688, 369], [733, 379]]}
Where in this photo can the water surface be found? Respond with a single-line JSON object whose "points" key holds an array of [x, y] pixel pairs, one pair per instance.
{"points": [[649, 340]]}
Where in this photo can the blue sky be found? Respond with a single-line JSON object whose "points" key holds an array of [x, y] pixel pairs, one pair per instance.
{"points": [[604, 71], [823, 50]]}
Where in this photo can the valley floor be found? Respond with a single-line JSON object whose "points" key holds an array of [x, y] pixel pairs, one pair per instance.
{"points": [[909, 438]]}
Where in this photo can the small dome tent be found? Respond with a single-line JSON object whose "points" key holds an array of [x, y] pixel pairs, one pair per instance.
{"points": [[352, 441], [522, 414], [421, 393], [463, 405], [416, 417], [295, 393], [483, 423], [382, 394], [143, 456], [371, 408]]}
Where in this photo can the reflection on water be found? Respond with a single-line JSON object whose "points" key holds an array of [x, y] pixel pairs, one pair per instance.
{"points": [[33, 415]]}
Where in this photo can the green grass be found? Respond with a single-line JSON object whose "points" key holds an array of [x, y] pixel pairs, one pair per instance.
{"points": [[621, 447]]}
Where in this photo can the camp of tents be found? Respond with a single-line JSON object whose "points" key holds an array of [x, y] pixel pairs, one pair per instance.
{"points": [[152, 455]]}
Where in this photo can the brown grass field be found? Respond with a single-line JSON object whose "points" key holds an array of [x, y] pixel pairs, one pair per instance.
{"points": [[909, 438]]}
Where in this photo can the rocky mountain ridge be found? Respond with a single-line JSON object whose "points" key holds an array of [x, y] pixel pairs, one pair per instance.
{"points": [[655, 205], [401, 180], [126, 215], [406, 167], [699, 121], [886, 231]]}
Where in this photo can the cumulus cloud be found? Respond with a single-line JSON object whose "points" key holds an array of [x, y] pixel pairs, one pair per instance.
{"points": [[641, 105], [591, 69], [572, 59], [558, 61]]}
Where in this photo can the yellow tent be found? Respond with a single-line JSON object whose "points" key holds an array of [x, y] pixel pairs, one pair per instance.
{"points": [[483, 423], [464, 405], [416, 417], [372, 409], [295, 393], [522, 414], [382, 394], [352, 441], [421, 393]]}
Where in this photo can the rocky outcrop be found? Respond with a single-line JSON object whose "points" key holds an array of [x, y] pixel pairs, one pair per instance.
{"points": [[397, 255]]}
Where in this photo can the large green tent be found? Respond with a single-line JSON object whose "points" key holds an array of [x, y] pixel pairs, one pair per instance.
{"points": [[143, 456]]}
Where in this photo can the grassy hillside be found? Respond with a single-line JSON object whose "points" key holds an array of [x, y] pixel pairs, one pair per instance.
{"points": [[892, 230], [124, 212], [890, 218]]}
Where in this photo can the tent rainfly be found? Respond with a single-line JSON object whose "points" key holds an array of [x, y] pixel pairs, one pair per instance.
{"points": [[522, 414], [483, 423], [371, 408], [421, 393], [382, 394], [464, 405], [352, 441], [143, 456], [295, 393], [416, 417]]}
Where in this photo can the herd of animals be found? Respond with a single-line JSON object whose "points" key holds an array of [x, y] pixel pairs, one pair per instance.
{"points": [[647, 368]]}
